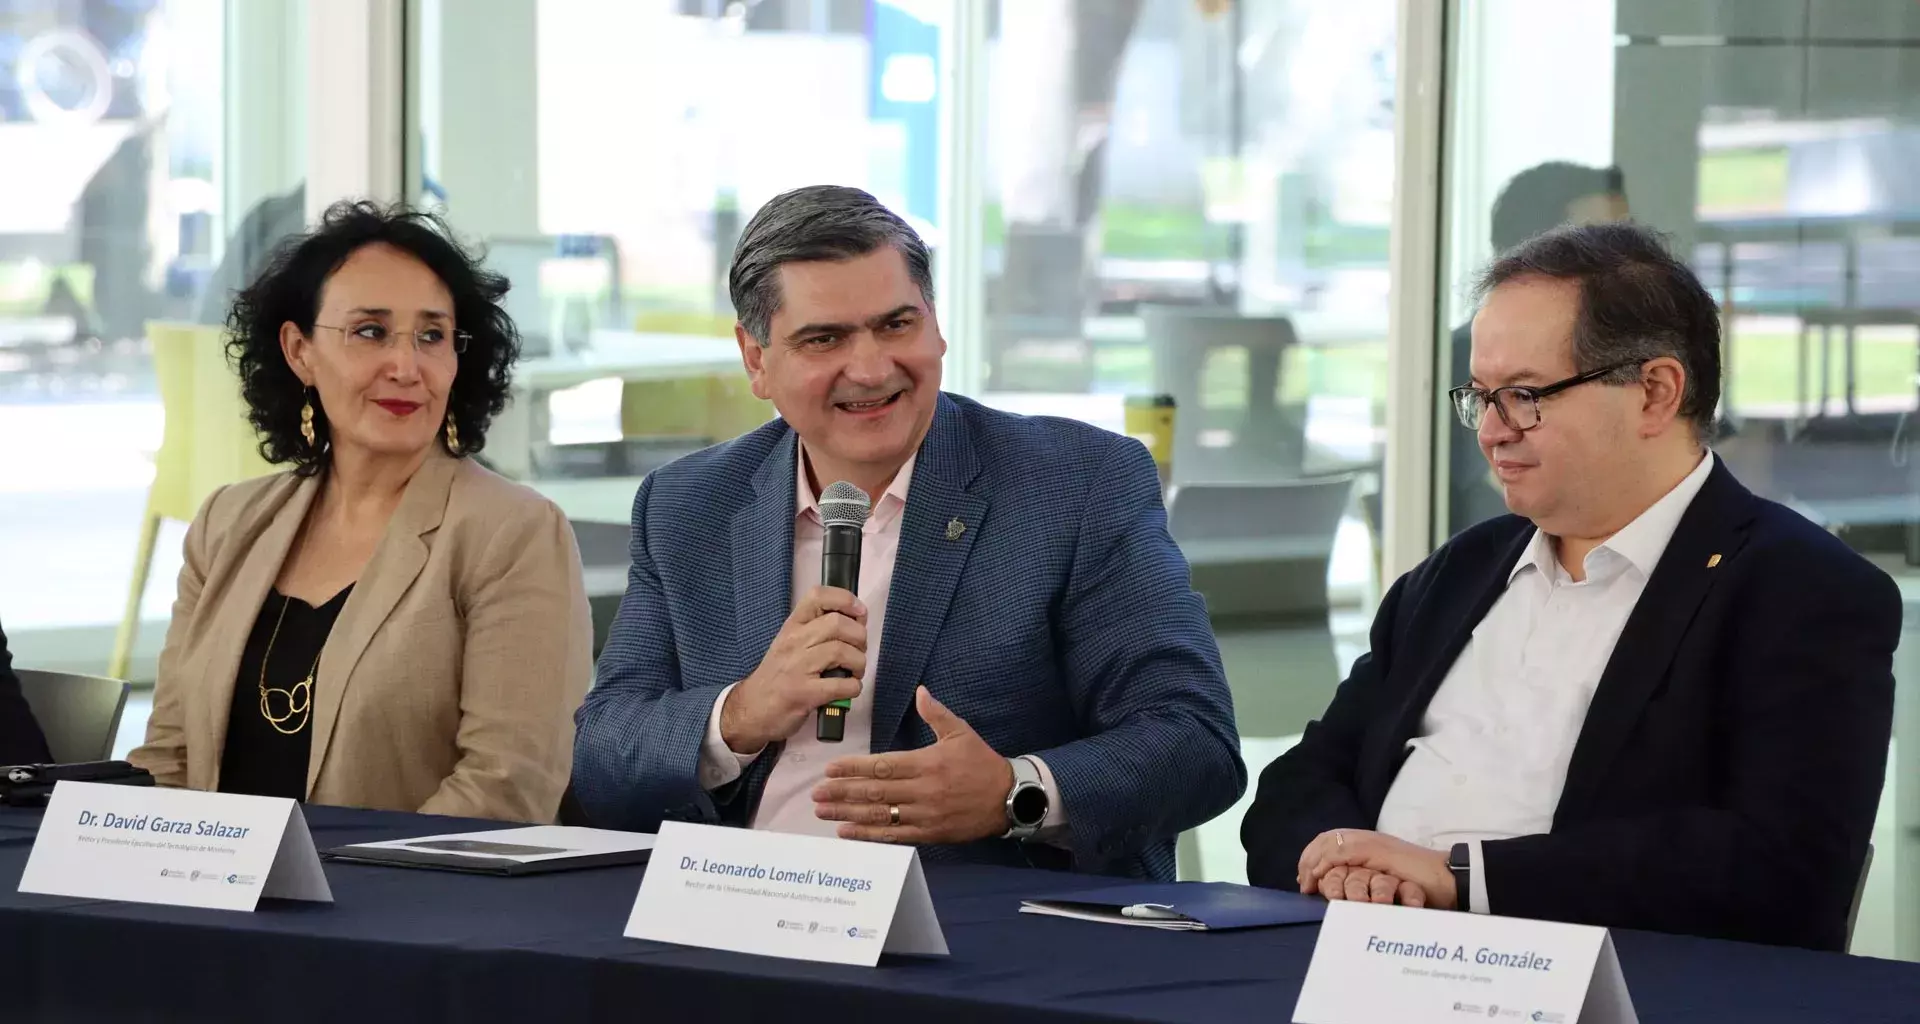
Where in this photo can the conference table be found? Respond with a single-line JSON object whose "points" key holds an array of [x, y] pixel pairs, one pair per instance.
{"points": [[416, 945]]}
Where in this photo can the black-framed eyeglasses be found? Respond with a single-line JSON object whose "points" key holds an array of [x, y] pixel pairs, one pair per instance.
{"points": [[1518, 405]]}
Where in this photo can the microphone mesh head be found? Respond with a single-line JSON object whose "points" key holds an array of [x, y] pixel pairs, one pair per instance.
{"points": [[843, 504]]}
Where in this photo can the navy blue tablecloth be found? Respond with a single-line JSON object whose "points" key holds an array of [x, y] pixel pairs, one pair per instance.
{"points": [[416, 945]]}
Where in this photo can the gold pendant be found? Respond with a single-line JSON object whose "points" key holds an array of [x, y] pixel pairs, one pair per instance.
{"points": [[299, 705]]}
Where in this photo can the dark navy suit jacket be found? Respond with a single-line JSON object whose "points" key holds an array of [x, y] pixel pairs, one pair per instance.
{"points": [[1060, 622], [1727, 775]]}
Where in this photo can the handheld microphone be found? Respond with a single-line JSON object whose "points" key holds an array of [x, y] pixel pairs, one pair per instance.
{"points": [[843, 511]]}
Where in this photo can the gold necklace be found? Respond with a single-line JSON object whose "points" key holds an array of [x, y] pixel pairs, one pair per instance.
{"points": [[299, 699]]}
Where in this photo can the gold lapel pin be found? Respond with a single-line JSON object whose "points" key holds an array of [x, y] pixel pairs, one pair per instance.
{"points": [[955, 528], [1713, 561]]}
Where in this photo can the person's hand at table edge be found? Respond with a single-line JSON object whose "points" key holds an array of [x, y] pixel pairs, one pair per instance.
{"points": [[1424, 869], [1365, 885], [954, 791]]}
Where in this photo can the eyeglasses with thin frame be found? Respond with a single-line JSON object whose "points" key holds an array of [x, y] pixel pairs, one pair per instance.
{"points": [[427, 341], [1517, 404]]}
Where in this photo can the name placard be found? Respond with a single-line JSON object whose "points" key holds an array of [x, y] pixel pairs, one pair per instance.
{"points": [[179, 847], [1375, 962], [799, 897]]}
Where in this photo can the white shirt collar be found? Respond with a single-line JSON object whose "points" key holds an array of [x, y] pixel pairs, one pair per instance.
{"points": [[1640, 543]]}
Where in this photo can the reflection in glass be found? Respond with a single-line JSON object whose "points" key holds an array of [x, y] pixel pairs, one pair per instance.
{"points": [[1192, 164], [607, 153], [136, 136]]}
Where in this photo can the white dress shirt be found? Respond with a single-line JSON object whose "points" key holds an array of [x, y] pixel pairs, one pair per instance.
{"points": [[1491, 756], [786, 803]]}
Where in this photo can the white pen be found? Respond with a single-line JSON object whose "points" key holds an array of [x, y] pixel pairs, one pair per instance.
{"points": [[1152, 912]]}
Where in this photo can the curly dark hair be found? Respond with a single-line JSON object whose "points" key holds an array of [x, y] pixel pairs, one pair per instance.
{"points": [[290, 289]]}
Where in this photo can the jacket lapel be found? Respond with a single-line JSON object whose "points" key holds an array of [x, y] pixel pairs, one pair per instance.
{"points": [[396, 562], [927, 571], [762, 546], [256, 567], [1714, 524]]}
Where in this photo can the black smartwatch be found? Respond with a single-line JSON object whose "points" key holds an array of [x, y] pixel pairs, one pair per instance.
{"points": [[1460, 862]]}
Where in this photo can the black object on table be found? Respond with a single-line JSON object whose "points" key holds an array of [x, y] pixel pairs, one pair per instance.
{"points": [[428, 946], [31, 785]]}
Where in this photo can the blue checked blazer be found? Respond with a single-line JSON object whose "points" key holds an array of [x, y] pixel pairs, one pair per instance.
{"points": [[1061, 622]]}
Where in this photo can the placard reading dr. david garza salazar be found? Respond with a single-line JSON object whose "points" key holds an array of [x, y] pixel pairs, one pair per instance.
{"points": [[155, 824], [141, 844]]}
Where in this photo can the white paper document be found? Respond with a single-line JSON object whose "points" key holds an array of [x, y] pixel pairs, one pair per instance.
{"points": [[145, 844], [795, 896], [1375, 962], [507, 848]]}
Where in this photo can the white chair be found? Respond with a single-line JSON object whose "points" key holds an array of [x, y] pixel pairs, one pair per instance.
{"points": [[79, 715], [604, 562], [1180, 340], [1260, 550]]}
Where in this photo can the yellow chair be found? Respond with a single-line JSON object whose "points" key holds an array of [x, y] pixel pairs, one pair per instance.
{"points": [[732, 409], [207, 444], [708, 409], [674, 408], [684, 321]]}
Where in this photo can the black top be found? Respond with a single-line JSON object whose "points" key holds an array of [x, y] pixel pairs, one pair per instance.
{"points": [[20, 739], [268, 756]]}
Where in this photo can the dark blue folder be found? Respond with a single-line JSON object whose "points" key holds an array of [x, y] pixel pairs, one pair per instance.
{"points": [[1183, 906]]}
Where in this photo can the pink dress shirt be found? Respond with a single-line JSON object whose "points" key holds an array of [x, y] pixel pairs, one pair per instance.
{"points": [[786, 805]]}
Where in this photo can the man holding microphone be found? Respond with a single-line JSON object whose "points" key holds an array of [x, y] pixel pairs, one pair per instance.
{"points": [[1027, 676]]}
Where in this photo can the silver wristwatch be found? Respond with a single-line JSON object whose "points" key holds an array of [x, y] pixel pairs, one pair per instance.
{"points": [[1027, 801]]}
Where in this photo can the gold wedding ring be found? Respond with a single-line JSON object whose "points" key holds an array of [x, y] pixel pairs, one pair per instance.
{"points": [[893, 814]]}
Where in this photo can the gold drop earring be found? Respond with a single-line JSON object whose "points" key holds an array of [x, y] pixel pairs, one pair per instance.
{"points": [[453, 435], [306, 418]]}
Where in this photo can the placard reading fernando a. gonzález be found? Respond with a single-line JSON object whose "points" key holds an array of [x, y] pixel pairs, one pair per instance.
{"points": [[1375, 963]]}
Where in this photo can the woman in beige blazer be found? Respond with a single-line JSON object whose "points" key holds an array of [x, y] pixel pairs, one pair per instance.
{"points": [[388, 624]]}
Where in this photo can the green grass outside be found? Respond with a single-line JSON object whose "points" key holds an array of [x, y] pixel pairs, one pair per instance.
{"points": [[24, 287], [1146, 232], [1762, 372], [1743, 180], [1135, 231], [1358, 370]]}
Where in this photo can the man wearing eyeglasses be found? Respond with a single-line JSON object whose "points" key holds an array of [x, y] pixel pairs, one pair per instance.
{"points": [[1536, 200], [1648, 698]]}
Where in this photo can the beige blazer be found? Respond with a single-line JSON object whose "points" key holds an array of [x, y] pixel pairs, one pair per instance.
{"points": [[449, 682]]}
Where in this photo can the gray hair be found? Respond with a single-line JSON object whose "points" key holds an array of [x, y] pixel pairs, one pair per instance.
{"points": [[818, 222]]}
